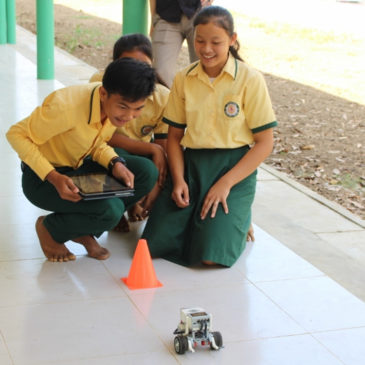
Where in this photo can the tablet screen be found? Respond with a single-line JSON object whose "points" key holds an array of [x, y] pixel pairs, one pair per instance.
{"points": [[98, 183]]}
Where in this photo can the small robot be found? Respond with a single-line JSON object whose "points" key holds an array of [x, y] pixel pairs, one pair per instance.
{"points": [[195, 326]]}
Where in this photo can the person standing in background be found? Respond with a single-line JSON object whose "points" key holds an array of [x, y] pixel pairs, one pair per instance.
{"points": [[171, 24]]}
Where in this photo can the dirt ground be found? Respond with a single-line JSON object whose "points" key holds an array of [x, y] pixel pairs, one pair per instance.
{"points": [[315, 81]]}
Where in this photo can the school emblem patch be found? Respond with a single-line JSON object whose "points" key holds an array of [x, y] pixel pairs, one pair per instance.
{"points": [[146, 130], [231, 109]]}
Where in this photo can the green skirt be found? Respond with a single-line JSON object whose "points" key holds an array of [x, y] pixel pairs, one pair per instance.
{"points": [[180, 235]]}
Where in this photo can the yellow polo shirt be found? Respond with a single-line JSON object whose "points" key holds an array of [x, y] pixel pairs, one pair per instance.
{"points": [[223, 113], [63, 131], [97, 76], [149, 124]]}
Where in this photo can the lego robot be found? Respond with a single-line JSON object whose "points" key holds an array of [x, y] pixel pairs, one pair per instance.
{"points": [[195, 327]]}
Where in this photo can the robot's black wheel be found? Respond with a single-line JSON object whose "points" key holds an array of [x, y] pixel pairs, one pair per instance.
{"points": [[181, 344], [218, 339]]}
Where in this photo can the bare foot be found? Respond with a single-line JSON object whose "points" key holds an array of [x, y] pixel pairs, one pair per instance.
{"points": [[209, 263], [123, 225], [92, 247], [54, 251], [250, 234], [136, 213]]}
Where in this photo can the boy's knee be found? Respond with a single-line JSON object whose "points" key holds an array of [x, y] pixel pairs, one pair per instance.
{"points": [[112, 212], [147, 175]]}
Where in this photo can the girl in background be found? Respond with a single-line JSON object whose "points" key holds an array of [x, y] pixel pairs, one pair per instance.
{"points": [[147, 134]]}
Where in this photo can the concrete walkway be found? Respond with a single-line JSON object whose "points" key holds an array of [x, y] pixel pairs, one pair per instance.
{"points": [[296, 296]]}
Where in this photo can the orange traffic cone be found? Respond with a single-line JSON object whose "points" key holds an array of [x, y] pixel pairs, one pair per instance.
{"points": [[142, 274]]}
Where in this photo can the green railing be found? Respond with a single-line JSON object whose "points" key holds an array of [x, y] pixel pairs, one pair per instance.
{"points": [[45, 39], [135, 14], [7, 21]]}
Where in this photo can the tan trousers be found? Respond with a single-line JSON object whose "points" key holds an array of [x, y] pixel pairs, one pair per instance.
{"points": [[167, 40]]}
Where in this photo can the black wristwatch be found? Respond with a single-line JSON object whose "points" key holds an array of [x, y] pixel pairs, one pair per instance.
{"points": [[113, 161]]}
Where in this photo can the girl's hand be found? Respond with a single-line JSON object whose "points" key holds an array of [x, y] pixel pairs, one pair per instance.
{"points": [[218, 193], [180, 194], [121, 172], [148, 201], [64, 185]]}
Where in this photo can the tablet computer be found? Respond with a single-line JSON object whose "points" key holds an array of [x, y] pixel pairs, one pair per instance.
{"points": [[100, 186]]}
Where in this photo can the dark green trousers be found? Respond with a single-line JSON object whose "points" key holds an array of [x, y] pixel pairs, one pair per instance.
{"points": [[70, 220], [180, 235]]}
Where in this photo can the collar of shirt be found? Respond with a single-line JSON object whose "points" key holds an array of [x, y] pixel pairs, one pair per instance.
{"points": [[230, 68], [94, 112], [94, 109]]}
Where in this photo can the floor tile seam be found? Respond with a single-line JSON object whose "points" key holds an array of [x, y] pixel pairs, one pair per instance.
{"points": [[66, 301], [42, 260], [81, 255], [341, 231], [168, 345], [267, 338], [164, 291], [117, 280], [290, 316], [343, 288], [172, 291], [168, 348], [318, 332], [101, 357], [289, 279], [19, 260], [282, 177], [317, 340], [311, 331], [344, 252], [151, 326], [6, 346]]}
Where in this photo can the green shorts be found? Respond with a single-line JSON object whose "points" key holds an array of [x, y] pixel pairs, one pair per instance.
{"points": [[70, 220]]}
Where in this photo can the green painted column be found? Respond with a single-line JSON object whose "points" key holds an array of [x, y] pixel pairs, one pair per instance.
{"points": [[11, 21], [135, 16], [3, 37], [45, 40]]}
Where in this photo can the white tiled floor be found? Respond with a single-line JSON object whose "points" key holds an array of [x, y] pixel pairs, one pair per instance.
{"points": [[272, 307]]}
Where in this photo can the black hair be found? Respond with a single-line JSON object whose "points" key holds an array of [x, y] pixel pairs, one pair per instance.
{"points": [[132, 42], [135, 42], [222, 18], [132, 79]]}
